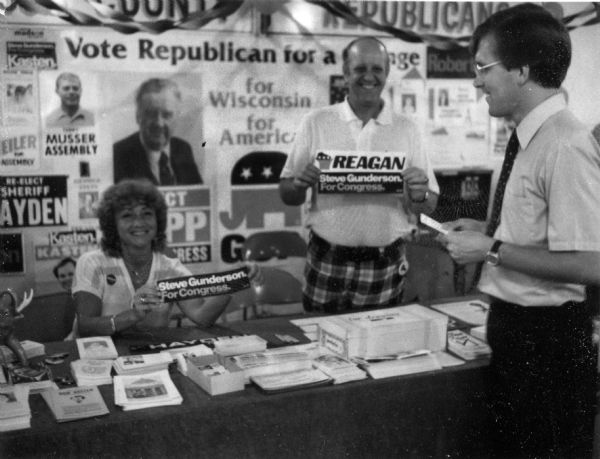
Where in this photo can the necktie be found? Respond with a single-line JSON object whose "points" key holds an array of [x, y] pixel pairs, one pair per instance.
{"points": [[164, 172], [512, 147], [509, 159]]}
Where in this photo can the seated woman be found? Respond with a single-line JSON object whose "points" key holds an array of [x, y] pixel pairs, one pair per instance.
{"points": [[115, 287]]}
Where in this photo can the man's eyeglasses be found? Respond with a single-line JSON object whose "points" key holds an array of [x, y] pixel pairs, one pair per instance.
{"points": [[479, 69]]}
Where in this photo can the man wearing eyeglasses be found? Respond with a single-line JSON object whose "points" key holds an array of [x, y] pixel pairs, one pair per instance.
{"points": [[542, 243]]}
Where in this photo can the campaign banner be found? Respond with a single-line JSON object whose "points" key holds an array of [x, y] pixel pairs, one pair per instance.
{"points": [[33, 201], [185, 288], [360, 172]]}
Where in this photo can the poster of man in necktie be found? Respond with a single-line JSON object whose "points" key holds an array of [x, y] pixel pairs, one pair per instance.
{"points": [[156, 127]]}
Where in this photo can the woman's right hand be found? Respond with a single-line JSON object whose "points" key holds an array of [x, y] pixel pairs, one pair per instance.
{"points": [[145, 300]]}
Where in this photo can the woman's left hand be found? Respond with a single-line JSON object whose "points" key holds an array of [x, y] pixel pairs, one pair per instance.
{"points": [[147, 299]]}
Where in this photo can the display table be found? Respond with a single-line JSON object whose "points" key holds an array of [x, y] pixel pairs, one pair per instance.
{"points": [[435, 414]]}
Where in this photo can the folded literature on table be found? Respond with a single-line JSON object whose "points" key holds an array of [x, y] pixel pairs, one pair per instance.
{"points": [[75, 403], [387, 331], [97, 347], [15, 413], [91, 372], [338, 368], [148, 390], [291, 380], [400, 364], [278, 360], [466, 346], [142, 363]]}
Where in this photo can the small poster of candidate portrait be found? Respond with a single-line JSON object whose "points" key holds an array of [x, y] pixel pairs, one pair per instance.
{"points": [[156, 126], [19, 104], [68, 99]]}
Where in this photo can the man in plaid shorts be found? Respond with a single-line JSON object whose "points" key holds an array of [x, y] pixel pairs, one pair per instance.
{"points": [[356, 253]]}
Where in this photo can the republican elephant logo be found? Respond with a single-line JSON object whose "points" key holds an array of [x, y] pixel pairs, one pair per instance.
{"points": [[255, 193]]}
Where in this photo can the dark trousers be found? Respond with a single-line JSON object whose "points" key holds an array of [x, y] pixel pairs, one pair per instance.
{"points": [[542, 389]]}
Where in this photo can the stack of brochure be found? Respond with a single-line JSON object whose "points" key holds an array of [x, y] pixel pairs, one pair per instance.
{"points": [[213, 377], [279, 360], [97, 348], [235, 345], [466, 346], [291, 380], [88, 372], [75, 403], [15, 413], [338, 368], [133, 392], [401, 364], [144, 363]]}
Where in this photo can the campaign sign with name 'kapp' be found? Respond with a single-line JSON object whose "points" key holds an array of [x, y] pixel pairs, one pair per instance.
{"points": [[360, 172], [185, 288]]}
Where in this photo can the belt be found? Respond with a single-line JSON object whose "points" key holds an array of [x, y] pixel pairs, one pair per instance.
{"points": [[357, 254]]}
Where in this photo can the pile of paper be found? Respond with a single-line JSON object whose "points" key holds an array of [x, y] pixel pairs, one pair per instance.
{"points": [[32, 349], [466, 346], [15, 413], [471, 312], [213, 377], [279, 360], [89, 372], [291, 380], [402, 364], [235, 345], [338, 368], [97, 348], [75, 403], [143, 363], [133, 392]]}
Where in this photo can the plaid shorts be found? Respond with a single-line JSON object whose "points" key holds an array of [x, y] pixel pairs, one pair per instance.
{"points": [[340, 278]]}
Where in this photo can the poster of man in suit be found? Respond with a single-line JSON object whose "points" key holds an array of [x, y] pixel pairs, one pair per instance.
{"points": [[163, 146]]}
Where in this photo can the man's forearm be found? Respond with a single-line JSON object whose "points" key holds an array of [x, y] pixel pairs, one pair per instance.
{"points": [[573, 267]]}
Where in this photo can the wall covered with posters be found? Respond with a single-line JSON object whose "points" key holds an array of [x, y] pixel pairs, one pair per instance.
{"points": [[243, 95]]}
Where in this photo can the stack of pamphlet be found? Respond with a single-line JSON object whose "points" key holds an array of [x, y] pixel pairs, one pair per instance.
{"points": [[291, 380], [133, 392], [235, 345], [401, 364], [89, 372], [466, 346], [75, 403], [479, 332], [97, 348], [36, 376], [15, 413], [143, 363], [338, 368], [271, 361], [213, 377], [184, 361], [32, 349]]}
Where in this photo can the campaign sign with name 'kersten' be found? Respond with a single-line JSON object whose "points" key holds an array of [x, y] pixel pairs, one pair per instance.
{"points": [[360, 172], [185, 288]]}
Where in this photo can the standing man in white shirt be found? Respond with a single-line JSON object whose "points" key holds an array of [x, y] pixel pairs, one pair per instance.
{"points": [[356, 254], [542, 244]]}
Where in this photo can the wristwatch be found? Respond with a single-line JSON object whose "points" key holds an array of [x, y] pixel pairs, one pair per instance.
{"points": [[493, 257]]}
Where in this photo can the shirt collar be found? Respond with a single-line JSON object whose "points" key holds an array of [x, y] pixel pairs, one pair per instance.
{"points": [[347, 114], [536, 117], [156, 153]]}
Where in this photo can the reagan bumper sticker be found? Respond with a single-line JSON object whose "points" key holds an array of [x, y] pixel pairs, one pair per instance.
{"points": [[185, 288], [360, 172]]}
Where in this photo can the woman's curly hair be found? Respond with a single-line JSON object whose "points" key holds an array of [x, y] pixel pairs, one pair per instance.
{"points": [[125, 194]]}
